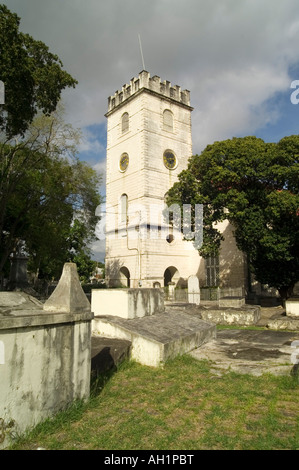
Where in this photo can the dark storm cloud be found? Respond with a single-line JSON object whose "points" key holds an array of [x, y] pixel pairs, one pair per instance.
{"points": [[233, 55]]}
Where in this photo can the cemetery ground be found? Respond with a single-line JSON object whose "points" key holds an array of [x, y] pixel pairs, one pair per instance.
{"points": [[184, 405]]}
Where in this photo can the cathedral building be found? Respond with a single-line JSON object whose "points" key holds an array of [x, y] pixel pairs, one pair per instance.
{"points": [[149, 142]]}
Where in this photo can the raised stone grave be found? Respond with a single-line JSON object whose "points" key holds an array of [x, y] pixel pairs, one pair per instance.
{"points": [[289, 320], [45, 354], [292, 307], [139, 316], [235, 302], [157, 338], [127, 303], [247, 315]]}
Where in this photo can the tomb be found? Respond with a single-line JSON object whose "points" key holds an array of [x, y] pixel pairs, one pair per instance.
{"points": [[156, 334], [292, 307]]}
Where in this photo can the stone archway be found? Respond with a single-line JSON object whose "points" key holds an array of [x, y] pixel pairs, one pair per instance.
{"points": [[171, 275], [124, 274]]}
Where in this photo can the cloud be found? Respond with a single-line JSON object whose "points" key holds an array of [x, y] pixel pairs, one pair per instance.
{"points": [[237, 104], [98, 250], [91, 143], [234, 56]]}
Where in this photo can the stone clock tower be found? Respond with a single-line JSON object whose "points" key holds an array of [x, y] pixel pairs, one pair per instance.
{"points": [[148, 144]]}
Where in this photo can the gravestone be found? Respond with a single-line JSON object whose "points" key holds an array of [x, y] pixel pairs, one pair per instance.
{"points": [[18, 272], [193, 290], [171, 291]]}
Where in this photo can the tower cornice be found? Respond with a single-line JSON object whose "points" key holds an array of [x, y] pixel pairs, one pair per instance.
{"points": [[152, 85]]}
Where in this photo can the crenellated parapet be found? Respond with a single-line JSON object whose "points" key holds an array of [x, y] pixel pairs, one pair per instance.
{"points": [[154, 84]]}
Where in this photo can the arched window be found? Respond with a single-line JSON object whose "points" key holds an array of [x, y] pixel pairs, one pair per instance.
{"points": [[171, 274], [168, 120], [123, 208], [124, 123]]}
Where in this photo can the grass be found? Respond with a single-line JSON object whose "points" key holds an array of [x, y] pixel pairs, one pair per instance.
{"points": [[182, 406]]}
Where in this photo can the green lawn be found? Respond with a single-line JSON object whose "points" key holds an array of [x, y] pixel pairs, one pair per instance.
{"points": [[183, 406]]}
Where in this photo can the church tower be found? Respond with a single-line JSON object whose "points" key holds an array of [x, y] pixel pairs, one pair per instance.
{"points": [[148, 144]]}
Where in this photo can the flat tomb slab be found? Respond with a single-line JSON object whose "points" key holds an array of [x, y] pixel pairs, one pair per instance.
{"points": [[253, 352], [248, 315], [231, 302], [158, 337]]}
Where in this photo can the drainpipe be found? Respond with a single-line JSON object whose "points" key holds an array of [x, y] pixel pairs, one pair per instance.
{"points": [[136, 249]]}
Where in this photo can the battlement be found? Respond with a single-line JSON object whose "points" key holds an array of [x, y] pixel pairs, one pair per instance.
{"points": [[154, 84]]}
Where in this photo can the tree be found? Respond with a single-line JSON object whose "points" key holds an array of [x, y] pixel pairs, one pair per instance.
{"points": [[34, 144], [254, 185], [60, 226], [32, 75], [44, 190], [52, 214]]}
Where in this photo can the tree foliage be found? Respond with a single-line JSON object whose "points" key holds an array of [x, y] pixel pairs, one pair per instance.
{"points": [[47, 196], [254, 185], [52, 197], [32, 75]]}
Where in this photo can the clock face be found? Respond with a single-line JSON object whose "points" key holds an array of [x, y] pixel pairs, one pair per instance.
{"points": [[124, 162], [169, 160]]}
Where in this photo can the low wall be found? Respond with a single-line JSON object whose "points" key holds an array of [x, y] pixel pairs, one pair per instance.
{"points": [[127, 303]]}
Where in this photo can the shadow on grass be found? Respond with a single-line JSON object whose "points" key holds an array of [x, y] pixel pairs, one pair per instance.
{"points": [[107, 357], [98, 380]]}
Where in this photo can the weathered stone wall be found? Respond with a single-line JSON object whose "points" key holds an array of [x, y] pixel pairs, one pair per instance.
{"points": [[145, 181], [127, 303], [45, 357], [46, 366]]}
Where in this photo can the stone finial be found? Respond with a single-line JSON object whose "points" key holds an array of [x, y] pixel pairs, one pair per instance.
{"points": [[68, 297]]}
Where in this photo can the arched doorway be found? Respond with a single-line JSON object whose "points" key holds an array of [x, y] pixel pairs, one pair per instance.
{"points": [[171, 274], [124, 276]]}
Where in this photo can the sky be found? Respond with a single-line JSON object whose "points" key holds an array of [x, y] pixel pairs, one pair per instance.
{"points": [[238, 58]]}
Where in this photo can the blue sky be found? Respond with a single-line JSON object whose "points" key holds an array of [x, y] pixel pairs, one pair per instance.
{"points": [[287, 120], [238, 58]]}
